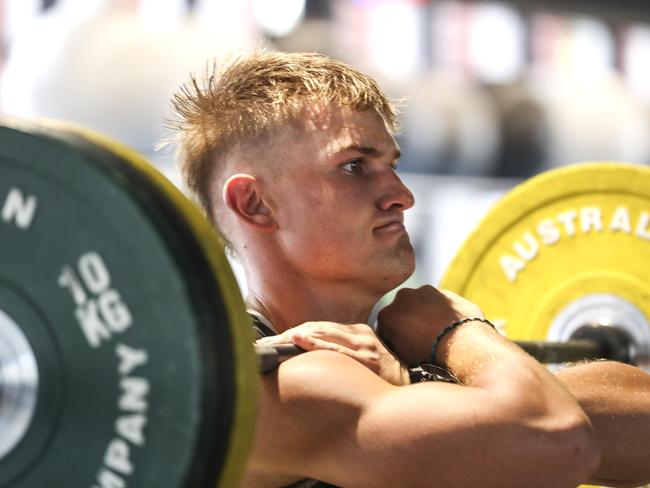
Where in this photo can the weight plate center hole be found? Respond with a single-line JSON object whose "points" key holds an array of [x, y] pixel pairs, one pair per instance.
{"points": [[18, 384]]}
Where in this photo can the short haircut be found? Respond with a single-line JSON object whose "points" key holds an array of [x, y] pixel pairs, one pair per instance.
{"points": [[248, 97]]}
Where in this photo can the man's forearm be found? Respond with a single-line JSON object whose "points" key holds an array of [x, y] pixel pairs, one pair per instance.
{"points": [[481, 358], [616, 398]]}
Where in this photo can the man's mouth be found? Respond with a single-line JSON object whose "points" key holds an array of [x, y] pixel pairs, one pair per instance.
{"points": [[390, 227]]}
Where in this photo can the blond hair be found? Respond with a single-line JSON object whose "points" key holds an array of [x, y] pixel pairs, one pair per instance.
{"points": [[252, 95]]}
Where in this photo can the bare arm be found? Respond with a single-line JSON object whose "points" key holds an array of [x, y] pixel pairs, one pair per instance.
{"points": [[616, 397], [325, 416]]}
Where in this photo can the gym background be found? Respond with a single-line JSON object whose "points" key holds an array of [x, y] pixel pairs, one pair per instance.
{"points": [[494, 92]]}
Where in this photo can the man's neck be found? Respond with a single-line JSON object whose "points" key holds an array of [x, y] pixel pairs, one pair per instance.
{"points": [[288, 302]]}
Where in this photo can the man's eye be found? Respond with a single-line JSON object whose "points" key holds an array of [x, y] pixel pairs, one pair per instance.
{"points": [[355, 167]]}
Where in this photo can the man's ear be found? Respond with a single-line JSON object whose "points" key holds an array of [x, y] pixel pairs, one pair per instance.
{"points": [[241, 192]]}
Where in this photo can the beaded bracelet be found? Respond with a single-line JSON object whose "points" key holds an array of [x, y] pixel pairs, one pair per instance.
{"points": [[451, 327]]}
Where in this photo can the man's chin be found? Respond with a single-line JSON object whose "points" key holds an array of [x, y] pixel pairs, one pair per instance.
{"points": [[398, 269], [406, 258]]}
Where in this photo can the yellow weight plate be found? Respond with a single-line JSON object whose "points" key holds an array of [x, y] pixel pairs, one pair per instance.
{"points": [[568, 246]]}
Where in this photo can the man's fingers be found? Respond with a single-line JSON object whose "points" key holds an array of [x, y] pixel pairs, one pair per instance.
{"points": [[357, 341], [350, 336], [309, 343], [276, 339]]}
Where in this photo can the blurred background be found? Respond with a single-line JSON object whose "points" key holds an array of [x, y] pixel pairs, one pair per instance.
{"points": [[493, 92]]}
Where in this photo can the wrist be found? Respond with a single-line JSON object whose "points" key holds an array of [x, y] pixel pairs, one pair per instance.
{"points": [[437, 353]]}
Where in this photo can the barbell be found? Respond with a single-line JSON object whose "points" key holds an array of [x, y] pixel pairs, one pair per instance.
{"points": [[125, 348]]}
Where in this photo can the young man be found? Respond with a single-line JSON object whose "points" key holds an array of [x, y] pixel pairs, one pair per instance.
{"points": [[292, 156]]}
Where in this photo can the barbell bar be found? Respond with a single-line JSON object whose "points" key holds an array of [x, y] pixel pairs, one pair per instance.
{"points": [[591, 343]]}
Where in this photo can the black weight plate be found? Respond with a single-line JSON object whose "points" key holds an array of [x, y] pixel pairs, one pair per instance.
{"points": [[114, 249]]}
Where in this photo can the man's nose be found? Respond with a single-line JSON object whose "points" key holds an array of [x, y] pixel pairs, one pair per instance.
{"points": [[396, 194]]}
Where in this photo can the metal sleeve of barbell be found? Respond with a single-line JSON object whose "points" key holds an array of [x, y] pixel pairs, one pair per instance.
{"points": [[269, 357], [563, 352]]}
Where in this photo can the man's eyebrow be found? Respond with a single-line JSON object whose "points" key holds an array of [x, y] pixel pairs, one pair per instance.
{"points": [[367, 150]]}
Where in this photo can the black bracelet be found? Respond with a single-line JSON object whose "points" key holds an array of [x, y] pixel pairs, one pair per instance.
{"points": [[430, 372], [451, 327]]}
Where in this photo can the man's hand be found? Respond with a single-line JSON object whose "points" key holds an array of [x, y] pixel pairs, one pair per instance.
{"points": [[411, 323], [357, 341]]}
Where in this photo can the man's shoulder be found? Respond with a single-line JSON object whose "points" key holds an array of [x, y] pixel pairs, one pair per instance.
{"points": [[307, 394], [299, 403]]}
